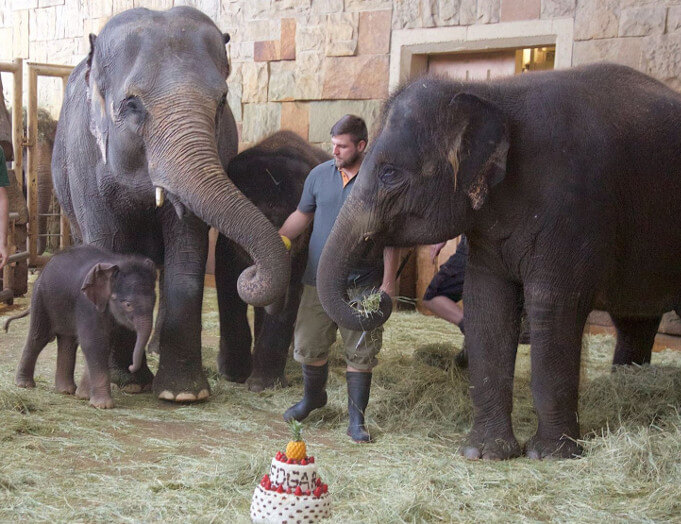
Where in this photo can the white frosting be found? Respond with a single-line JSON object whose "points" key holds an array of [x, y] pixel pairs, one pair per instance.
{"points": [[271, 507], [293, 475]]}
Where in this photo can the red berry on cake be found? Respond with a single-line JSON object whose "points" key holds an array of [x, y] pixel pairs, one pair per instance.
{"points": [[303, 462], [280, 489], [298, 492]]}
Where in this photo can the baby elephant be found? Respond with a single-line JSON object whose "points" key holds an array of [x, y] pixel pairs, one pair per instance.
{"points": [[79, 297]]}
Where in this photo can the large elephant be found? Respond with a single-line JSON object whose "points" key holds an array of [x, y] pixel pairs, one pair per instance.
{"points": [[568, 186], [148, 109], [271, 174]]}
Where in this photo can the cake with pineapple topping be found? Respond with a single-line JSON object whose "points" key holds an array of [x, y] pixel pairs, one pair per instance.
{"points": [[292, 490]]}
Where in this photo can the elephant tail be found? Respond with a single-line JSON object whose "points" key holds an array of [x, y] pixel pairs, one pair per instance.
{"points": [[15, 317]]}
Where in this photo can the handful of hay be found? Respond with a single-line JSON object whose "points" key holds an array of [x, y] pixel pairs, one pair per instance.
{"points": [[366, 304]]}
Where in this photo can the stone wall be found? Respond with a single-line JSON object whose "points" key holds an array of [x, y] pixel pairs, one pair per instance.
{"points": [[301, 64]]}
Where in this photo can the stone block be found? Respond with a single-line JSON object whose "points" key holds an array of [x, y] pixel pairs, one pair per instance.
{"points": [[367, 5], [374, 32], [596, 19], [257, 9], [235, 91], [19, 5], [38, 52], [323, 115], [674, 19], [282, 86], [259, 121], [42, 24], [308, 76], [411, 14], [68, 24], [310, 37], [512, 10], [20, 34], [98, 8], [327, 6], [558, 8], [266, 51], [156, 5], [353, 78], [642, 21], [260, 30], [626, 51], [468, 12], [342, 34], [295, 116], [255, 80], [122, 5], [288, 39], [662, 59], [488, 11], [448, 11], [50, 3], [6, 35], [241, 50]]}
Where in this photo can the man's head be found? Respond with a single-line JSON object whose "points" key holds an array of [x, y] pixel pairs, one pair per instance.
{"points": [[349, 139]]}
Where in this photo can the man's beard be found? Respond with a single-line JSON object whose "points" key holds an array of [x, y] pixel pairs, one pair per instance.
{"points": [[340, 164]]}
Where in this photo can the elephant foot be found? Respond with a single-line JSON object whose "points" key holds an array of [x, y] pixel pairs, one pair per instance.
{"points": [[189, 387], [138, 382], [544, 448], [24, 381], [65, 388], [490, 447], [236, 378], [102, 402], [258, 383]]}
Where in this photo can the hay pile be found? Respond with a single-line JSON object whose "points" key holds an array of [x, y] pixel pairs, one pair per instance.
{"points": [[152, 461]]}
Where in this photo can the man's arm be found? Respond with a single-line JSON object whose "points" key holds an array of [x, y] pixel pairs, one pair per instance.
{"points": [[295, 224], [391, 260], [4, 225]]}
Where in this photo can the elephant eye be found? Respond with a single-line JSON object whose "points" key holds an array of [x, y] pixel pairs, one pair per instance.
{"points": [[389, 176], [132, 104], [127, 305]]}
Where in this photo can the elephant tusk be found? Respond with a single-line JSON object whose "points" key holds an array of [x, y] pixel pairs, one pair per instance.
{"points": [[160, 196]]}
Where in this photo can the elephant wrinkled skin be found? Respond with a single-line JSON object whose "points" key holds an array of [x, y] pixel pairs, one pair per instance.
{"points": [[147, 109], [568, 186]]}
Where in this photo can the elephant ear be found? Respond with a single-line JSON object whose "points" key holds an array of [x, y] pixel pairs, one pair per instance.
{"points": [[97, 284], [98, 120], [478, 154]]}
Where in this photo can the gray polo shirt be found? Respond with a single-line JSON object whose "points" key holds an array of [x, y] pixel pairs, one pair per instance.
{"points": [[324, 195]]}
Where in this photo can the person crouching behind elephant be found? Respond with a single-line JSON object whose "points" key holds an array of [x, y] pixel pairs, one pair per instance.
{"points": [[326, 188], [78, 297]]}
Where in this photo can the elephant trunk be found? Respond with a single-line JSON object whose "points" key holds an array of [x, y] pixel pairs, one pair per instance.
{"points": [[143, 329], [183, 159], [341, 249]]}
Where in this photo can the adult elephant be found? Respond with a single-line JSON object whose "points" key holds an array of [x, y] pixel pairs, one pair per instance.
{"points": [[148, 109], [271, 174], [568, 186]]}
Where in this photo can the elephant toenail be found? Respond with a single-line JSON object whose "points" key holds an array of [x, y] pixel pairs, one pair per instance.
{"points": [[166, 395], [185, 397]]}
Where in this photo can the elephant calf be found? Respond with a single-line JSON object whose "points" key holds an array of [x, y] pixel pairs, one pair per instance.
{"points": [[84, 295]]}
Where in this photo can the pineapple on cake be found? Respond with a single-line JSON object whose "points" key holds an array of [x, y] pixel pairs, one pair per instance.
{"points": [[295, 449]]}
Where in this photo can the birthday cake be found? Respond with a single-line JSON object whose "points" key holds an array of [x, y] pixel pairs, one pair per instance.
{"points": [[292, 491]]}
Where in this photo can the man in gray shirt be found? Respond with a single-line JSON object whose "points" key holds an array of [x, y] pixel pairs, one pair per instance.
{"points": [[326, 188]]}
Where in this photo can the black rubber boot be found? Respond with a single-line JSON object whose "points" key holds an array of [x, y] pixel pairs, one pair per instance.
{"points": [[359, 386], [314, 392]]}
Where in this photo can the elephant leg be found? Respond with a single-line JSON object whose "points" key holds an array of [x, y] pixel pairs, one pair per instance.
{"points": [[180, 375], [557, 318], [122, 346], [272, 341], [155, 342], [234, 358], [38, 337], [492, 328], [94, 340], [635, 339], [66, 363]]}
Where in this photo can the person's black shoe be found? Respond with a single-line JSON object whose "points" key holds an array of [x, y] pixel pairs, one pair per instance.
{"points": [[359, 387], [314, 392]]}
